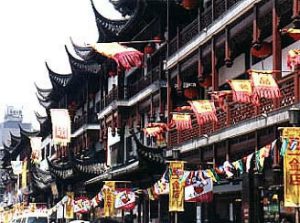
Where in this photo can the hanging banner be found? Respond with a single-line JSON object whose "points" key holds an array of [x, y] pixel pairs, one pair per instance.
{"points": [[125, 200], [264, 84], [36, 146], [69, 213], [82, 205], [182, 121], [219, 97], [125, 57], [108, 191], [162, 185], [176, 194], [198, 189], [204, 110], [292, 170], [16, 167], [61, 126], [241, 90], [24, 175]]}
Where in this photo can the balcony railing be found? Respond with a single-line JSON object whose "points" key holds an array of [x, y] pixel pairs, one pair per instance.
{"points": [[203, 20], [237, 112], [84, 120], [144, 82], [109, 98]]}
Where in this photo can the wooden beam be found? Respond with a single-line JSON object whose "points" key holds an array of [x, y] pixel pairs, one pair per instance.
{"points": [[200, 65], [276, 40], [256, 29], [214, 72]]}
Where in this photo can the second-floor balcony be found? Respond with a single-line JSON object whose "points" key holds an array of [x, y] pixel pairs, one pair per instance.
{"points": [[85, 121], [237, 113]]}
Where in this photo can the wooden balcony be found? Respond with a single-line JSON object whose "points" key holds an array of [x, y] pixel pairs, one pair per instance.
{"points": [[206, 18], [109, 98], [144, 82], [237, 112], [85, 119]]}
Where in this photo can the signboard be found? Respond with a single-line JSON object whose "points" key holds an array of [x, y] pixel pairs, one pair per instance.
{"points": [[109, 198], [292, 169], [61, 126], [176, 194]]}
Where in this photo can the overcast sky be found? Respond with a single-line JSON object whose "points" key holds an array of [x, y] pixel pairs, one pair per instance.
{"points": [[35, 31]]}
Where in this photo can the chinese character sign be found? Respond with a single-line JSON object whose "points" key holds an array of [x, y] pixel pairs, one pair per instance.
{"points": [[109, 198], [69, 214], [292, 169], [36, 146], [176, 194], [24, 174], [61, 126]]}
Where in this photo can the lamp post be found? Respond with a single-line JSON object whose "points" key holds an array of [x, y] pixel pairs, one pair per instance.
{"points": [[294, 120]]}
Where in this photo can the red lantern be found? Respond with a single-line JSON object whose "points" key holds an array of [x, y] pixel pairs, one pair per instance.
{"points": [[149, 49], [190, 93], [263, 51], [207, 82], [189, 4]]}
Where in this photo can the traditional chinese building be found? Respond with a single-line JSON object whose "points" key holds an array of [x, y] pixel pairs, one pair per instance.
{"points": [[202, 45]]}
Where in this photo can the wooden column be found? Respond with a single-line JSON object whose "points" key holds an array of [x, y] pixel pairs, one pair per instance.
{"points": [[214, 72], [256, 29], [200, 66], [296, 13], [178, 79], [276, 40], [227, 60], [169, 99]]}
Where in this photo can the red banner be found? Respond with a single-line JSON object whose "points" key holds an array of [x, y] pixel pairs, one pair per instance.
{"points": [[204, 110], [182, 121], [241, 90]]}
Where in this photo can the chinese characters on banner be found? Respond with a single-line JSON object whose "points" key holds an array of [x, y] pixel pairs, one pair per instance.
{"points": [[61, 126], [109, 198], [292, 168], [176, 194], [36, 145]]}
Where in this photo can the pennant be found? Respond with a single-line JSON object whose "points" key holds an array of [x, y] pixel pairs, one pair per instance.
{"points": [[82, 205], [176, 194], [16, 167], [212, 174], [182, 121], [293, 58], [238, 165], [264, 84], [61, 126], [199, 191], [241, 91], [248, 162], [260, 158], [284, 146], [125, 200], [36, 146], [109, 198], [151, 194], [228, 167], [162, 185], [125, 57], [204, 110]]}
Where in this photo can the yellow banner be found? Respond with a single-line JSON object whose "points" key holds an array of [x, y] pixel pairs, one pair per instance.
{"points": [[69, 212], [181, 117], [24, 174], [202, 106], [109, 198], [291, 132], [176, 193], [265, 79], [241, 85], [292, 178]]}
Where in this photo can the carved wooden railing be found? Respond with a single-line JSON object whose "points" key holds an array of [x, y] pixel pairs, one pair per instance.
{"points": [[237, 112], [109, 98], [203, 20], [83, 120], [144, 82]]}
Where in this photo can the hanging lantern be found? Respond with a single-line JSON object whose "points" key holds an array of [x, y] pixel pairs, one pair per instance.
{"points": [[148, 49], [189, 4], [207, 82], [263, 51], [190, 93]]}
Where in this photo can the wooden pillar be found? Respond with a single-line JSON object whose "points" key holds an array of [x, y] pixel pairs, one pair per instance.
{"points": [[169, 99], [200, 65], [214, 72], [276, 40], [227, 60], [256, 29], [178, 80], [296, 13]]}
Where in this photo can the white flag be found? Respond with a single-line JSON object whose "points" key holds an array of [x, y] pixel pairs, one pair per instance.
{"points": [[17, 167], [61, 126], [36, 146]]}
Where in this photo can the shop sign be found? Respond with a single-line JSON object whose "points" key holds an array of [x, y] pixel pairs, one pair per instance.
{"points": [[176, 195]]}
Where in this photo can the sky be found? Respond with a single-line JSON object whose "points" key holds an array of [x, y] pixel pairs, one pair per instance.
{"points": [[33, 32]]}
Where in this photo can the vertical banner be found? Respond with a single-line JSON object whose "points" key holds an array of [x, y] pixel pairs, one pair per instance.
{"points": [[109, 198], [61, 126], [24, 174], [69, 214], [292, 168], [176, 194], [36, 146]]}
